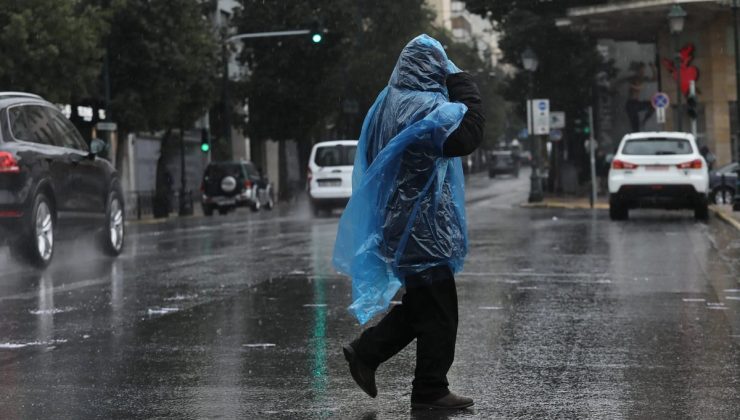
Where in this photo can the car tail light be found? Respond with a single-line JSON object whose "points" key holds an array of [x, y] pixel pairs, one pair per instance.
{"points": [[309, 175], [248, 184], [620, 164], [8, 163], [694, 164]]}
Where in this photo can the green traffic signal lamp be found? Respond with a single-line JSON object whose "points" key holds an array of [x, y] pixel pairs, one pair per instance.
{"points": [[317, 31], [205, 141], [691, 107]]}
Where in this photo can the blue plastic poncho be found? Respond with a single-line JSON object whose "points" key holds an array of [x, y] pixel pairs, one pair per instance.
{"points": [[407, 211]]}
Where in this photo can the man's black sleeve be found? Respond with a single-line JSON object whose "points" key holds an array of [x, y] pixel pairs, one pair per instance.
{"points": [[469, 135]]}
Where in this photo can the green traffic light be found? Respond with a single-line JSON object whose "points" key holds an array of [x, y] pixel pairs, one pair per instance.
{"points": [[205, 147], [316, 38]]}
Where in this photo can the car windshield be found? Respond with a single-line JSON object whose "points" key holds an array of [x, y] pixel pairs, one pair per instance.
{"points": [[657, 146], [338, 155]]}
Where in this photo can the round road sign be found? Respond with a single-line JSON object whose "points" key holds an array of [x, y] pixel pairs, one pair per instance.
{"points": [[661, 100]]}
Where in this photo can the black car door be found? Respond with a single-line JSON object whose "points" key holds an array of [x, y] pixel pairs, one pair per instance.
{"points": [[50, 160], [87, 172]]}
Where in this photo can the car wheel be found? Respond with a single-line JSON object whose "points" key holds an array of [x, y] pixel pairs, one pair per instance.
{"points": [[36, 247], [113, 233], [208, 210], [701, 211], [722, 195], [617, 210], [491, 174], [223, 211]]}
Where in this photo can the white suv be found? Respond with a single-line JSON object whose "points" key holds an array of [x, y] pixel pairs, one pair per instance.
{"points": [[658, 170], [330, 174]]}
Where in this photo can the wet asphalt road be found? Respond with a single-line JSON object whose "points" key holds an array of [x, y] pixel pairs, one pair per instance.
{"points": [[562, 314]]}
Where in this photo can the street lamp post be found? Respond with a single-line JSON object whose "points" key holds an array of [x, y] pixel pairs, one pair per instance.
{"points": [[316, 38], [676, 19], [736, 151], [530, 63]]}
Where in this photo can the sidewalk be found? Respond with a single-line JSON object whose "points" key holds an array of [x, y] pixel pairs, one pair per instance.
{"points": [[722, 212], [569, 203], [725, 213]]}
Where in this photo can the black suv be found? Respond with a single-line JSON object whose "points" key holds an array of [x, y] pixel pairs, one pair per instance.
{"points": [[51, 181], [232, 184]]}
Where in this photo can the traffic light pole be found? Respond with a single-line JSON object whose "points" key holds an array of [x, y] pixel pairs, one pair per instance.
{"points": [[592, 154], [736, 152], [677, 69], [225, 58]]}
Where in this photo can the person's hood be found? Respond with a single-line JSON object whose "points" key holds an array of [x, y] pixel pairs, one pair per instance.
{"points": [[422, 66]]}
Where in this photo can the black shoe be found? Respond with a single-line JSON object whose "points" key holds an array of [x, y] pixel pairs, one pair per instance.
{"points": [[361, 373], [450, 401]]}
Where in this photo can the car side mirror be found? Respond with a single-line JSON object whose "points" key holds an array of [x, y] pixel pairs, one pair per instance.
{"points": [[97, 147]]}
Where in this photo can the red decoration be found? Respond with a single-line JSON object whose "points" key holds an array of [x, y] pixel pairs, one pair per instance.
{"points": [[688, 73]]}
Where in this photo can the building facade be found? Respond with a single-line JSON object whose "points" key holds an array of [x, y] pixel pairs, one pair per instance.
{"points": [[636, 35]]}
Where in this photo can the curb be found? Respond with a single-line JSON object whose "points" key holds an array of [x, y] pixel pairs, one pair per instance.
{"points": [[725, 218], [564, 205]]}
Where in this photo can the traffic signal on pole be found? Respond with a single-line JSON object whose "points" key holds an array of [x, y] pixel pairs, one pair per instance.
{"points": [[581, 125], [691, 102], [317, 32], [205, 141]]}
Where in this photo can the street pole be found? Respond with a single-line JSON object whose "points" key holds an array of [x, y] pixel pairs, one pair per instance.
{"points": [[225, 72], [736, 151], [592, 154], [677, 60], [536, 194], [225, 95]]}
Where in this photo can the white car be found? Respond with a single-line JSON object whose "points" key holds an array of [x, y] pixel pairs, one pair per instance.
{"points": [[330, 174], [658, 170]]}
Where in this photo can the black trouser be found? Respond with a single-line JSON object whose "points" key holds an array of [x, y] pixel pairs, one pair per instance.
{"points": [[428, 313]]}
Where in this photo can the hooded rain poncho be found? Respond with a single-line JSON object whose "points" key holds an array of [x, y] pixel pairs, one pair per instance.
{"points": [[406, 213]]}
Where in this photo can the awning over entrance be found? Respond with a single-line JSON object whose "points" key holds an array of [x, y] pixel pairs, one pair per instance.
{"points": [[639, 21]]}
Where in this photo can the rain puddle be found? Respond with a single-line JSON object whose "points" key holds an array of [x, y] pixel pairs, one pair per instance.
{"points": [[51, 311], [694, 300], [181, 297], [717, 306], [11, 346], [490, 308], [259, 345], [161, 311]]}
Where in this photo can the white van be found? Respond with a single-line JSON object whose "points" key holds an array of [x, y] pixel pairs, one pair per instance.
{"points": [[330, 174]]}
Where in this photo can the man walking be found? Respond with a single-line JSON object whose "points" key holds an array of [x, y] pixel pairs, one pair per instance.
{"points": [[405, 223]]}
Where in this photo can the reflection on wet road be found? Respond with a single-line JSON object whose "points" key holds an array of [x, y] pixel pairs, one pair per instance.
{"points": [[562, 313]]}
